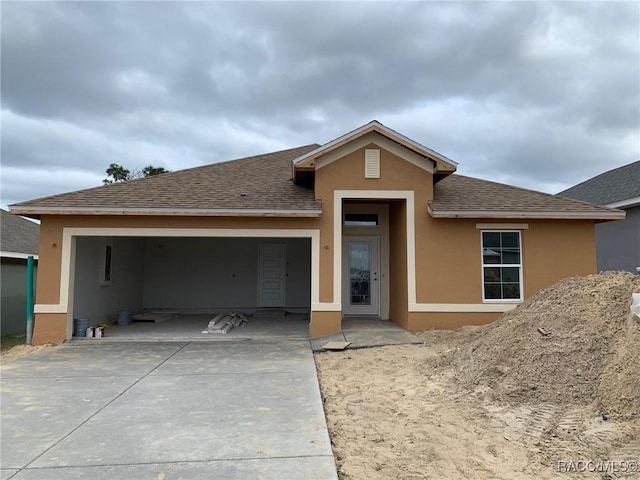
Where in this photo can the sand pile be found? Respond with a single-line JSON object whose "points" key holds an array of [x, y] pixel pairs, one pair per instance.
{"points": [[591, 357]]}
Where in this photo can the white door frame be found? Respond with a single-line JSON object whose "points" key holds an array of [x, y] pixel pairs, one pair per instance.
{"points": [[373, 309]]}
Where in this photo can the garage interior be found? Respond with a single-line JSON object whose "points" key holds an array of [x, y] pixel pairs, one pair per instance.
{"points": [[190, 280]]}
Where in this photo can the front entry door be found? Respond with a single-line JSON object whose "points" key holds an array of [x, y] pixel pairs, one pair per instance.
{"points": [[271, 275], [360, 276]]}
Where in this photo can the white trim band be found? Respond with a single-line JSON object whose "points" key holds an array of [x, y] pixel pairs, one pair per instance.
{"points": [[49, 308], [461, 307], [221, 212], [19, 255], [519, 214], [326, 307], [502, 226]]}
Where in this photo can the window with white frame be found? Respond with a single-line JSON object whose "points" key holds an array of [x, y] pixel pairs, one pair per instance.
{"points": [[501, 266]]}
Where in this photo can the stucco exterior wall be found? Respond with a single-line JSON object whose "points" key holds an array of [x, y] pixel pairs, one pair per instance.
{"points": [[618, 243], [191, 275], [99, 303]]}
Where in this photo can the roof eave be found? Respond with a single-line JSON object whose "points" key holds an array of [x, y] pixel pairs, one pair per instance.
{"points": [[626, 203], [599, 216], [184, 212]]}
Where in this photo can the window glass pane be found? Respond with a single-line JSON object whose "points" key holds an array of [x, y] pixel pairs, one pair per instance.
{"points": [[492, 291], [501, 248], [510, 239], [361, 219], [490, 239], [510, 274], [360, 273], [491, 255], [511, 291], [491, 274], [510, 255]]}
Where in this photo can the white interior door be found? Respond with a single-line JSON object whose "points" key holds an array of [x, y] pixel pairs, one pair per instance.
{"points": [[271, 275], [360, 276]]}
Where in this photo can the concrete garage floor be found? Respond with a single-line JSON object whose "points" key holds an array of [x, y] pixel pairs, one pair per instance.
{"points": [[359, 332], [164, 410], [190, 327]]}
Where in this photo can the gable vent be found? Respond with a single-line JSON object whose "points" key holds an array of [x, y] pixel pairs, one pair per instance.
{"points": [[372, 163]]}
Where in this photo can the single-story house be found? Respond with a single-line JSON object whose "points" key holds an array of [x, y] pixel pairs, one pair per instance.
{"points": [[371, 224], [18, 241], [617, 243]]}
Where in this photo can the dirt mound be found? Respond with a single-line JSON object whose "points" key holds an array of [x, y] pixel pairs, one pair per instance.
{"points": [[591, 357]]}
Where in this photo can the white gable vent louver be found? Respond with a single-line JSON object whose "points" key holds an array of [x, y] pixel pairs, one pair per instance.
{"points": [[372, 163]]}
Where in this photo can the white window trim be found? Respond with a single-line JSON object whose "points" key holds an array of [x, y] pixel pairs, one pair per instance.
{"points": [[519, 265]]}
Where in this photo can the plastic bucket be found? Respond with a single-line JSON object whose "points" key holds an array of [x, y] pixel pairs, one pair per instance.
{"points": [[80, 326], [124, 317]]}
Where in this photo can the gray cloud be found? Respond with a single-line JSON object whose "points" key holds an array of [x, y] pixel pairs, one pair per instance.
{"points": [[541, 95]]}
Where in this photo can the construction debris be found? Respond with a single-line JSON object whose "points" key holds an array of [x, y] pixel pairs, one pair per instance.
{"points": [[337, 346], [543, 331], [224, 322]]}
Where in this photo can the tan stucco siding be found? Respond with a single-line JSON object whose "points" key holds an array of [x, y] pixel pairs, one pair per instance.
{"points": [[49, 328], [49, 260], [325, 323], [419, 321], [556, 250], [398, 297], [449, 262], [395, 174]]}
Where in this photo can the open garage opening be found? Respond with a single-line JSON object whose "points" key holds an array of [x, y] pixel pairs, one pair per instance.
{"points": [[184, 282]]}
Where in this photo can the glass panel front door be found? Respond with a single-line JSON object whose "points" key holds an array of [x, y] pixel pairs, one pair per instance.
{"points": [[361, 285], [360, 272]]}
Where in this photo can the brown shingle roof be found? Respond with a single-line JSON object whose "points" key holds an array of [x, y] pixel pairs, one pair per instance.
{"points": [[460, 196], [18, 235], [266, 182], [264, 179]]}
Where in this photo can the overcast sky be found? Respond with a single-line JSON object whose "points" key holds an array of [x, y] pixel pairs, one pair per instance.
{"points": [[541, 95]]}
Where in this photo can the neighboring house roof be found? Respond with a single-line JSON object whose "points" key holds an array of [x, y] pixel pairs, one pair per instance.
{"points": [[458, 196], [619, 187], [18, 237], [217, 189]]}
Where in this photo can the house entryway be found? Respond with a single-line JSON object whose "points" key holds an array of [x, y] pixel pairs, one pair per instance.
{"points": [[365, 260], [361, 285]]}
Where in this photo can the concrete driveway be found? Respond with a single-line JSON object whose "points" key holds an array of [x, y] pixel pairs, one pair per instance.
{"points": [[162, 411]]}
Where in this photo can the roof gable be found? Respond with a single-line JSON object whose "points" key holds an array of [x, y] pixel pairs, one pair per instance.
{"points": [[380, 134], [619, 187]]}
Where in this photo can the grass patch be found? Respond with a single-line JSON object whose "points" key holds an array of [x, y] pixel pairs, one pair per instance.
{"points": [[10, 341]]}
